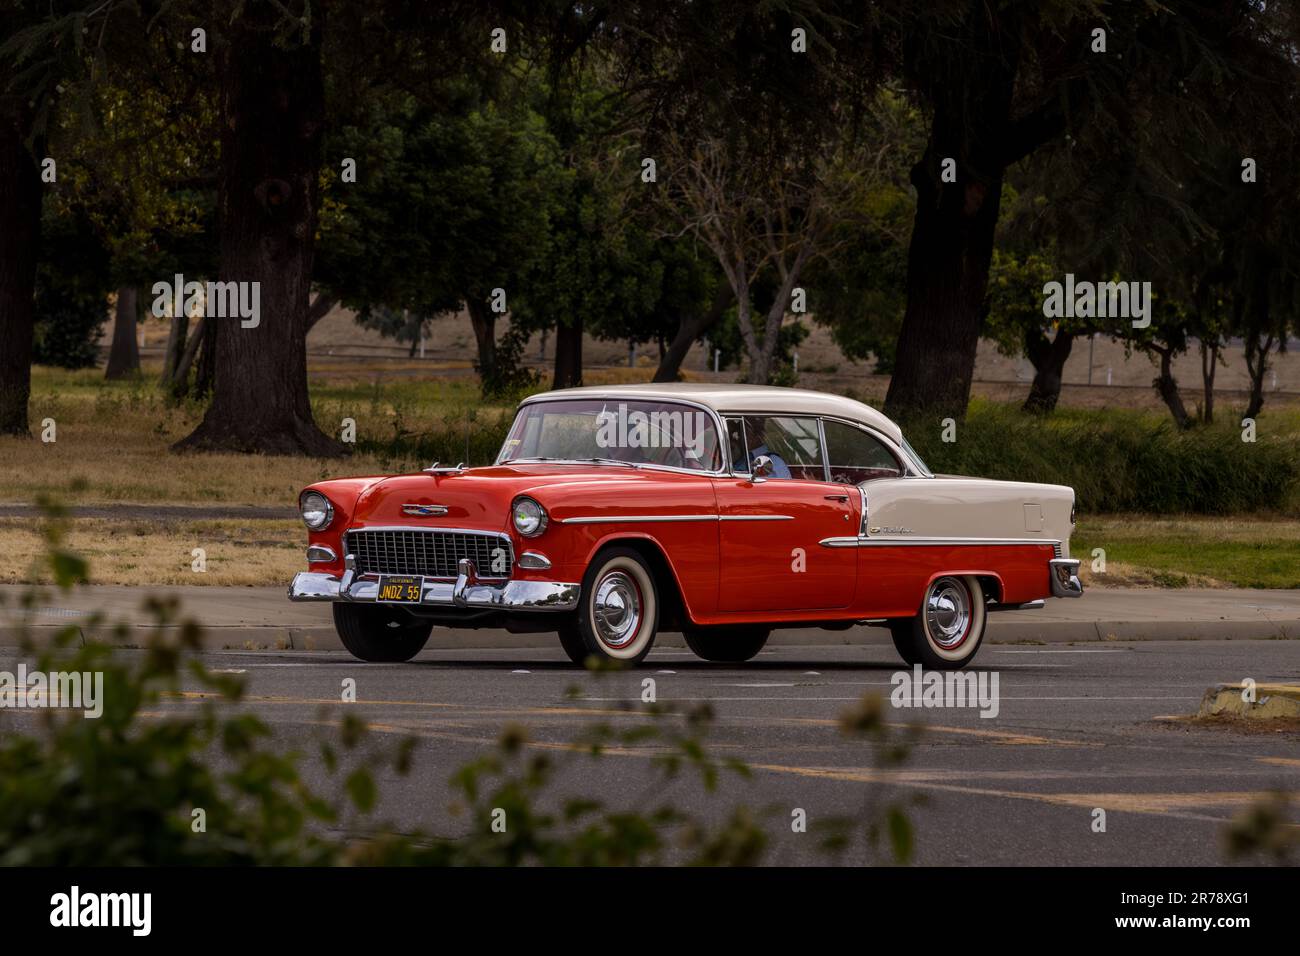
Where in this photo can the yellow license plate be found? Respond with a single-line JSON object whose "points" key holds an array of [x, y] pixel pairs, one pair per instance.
{"points": [[400, 588]]}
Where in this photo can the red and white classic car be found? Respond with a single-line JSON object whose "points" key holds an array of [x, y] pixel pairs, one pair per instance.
{"points": [[720, 511]]}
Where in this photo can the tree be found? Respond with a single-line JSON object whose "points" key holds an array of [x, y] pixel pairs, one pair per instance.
{"points": [[272, 116], [752, 219], [858, 288], [450, 205], [73, 282], [21, 151]]}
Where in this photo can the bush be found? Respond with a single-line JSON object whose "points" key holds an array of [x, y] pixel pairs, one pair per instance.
{"points": [[1119, 461], [72, 288], [461, 436], [130, 786]]}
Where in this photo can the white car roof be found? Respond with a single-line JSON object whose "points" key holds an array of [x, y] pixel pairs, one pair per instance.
{"points": [[733, 399]]}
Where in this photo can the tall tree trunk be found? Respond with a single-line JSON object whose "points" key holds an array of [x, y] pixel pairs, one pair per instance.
{"points": [[1209, 367], [952, 232], [20, 238], [1258, 347], [484, 322], [124, 354], [1048, 358], [181, 378], [568, 354], [689, 330], [205, 374], [272, 115], [1167, 386], [176, 338]]}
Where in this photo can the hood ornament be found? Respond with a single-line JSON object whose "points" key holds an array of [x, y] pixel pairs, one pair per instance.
{"points": [[434, 469], [423, 511]]}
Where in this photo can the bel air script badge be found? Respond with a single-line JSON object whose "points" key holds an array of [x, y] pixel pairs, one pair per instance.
{"points": [[423, 511], [890, 530]]}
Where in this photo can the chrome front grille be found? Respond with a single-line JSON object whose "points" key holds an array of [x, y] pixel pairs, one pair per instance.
{"points": [[429, 552]]}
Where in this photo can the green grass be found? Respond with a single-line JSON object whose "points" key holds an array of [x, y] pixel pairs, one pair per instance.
{"points": [[1182, 551]]}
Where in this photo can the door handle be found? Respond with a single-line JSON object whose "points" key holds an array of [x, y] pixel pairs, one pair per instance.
{"points": [[837, 497]]}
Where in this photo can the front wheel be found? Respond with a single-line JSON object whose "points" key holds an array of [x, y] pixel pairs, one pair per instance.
{"points": [[618, 614], [726, 644], [374, 632], [949, 628]]}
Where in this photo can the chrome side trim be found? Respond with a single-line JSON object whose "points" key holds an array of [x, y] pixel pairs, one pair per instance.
{"points": [[539, 596], [321, 554], [617, 519], [876, 541]]}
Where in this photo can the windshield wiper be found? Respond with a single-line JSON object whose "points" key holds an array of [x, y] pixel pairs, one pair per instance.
{"points": [[581, 461], [609, 461]]}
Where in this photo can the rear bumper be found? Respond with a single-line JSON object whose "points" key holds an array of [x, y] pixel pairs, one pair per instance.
{"points": [[465, 591], [1065, 577]]}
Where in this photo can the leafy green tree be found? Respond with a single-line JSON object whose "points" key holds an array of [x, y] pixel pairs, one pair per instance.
{"points": [[448, 207], [73, 281]]}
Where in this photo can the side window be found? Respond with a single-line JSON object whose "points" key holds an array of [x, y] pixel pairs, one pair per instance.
{"points": [[736, 444], [793, 444], [857, 456]]}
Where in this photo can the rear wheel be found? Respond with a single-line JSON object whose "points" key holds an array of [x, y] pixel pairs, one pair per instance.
{"points": [[618, 614], [949, 628], [374, 632], [727, 644]]}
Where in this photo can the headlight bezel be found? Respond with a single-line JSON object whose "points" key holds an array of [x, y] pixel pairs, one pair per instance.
{"points": [[541, 516], [327, 511]]}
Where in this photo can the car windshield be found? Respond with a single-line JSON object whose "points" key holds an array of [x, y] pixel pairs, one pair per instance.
{"points": [[606, 431]]}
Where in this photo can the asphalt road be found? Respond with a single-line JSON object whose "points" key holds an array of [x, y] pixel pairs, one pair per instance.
{"points": [[235, 617], [1078, 728]]}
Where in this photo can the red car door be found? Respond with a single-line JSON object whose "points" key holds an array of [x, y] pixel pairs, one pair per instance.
{"points": [[770, 530], [770, 535]]}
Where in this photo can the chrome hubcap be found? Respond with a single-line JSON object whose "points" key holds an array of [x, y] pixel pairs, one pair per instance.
{"points": [[616, 609], [947, 612]]}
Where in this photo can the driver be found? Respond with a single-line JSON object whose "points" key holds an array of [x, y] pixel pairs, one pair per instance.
{"points": [[758, 434]]}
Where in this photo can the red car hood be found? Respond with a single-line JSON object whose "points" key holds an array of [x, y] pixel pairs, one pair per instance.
{"points": [[481, 497]]}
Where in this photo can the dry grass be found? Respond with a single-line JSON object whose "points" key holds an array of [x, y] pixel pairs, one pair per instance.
{"points": [[112, 440], [236, 552]]}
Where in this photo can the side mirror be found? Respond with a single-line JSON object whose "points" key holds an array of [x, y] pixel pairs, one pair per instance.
{"points": [[762, 468]]}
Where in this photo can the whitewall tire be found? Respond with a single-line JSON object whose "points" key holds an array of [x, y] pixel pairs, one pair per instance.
{"points": [[949, 628], [618, 614]]}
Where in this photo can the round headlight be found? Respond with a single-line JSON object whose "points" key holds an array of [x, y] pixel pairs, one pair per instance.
{"points": [[317, 512], [529, 517]]}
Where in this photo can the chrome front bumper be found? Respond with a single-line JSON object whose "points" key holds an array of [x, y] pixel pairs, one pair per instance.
{"points": [[465, 591], [1065, 577]]}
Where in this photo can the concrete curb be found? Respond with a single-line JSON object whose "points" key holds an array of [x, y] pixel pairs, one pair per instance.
{"points": [[297, 637]]}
